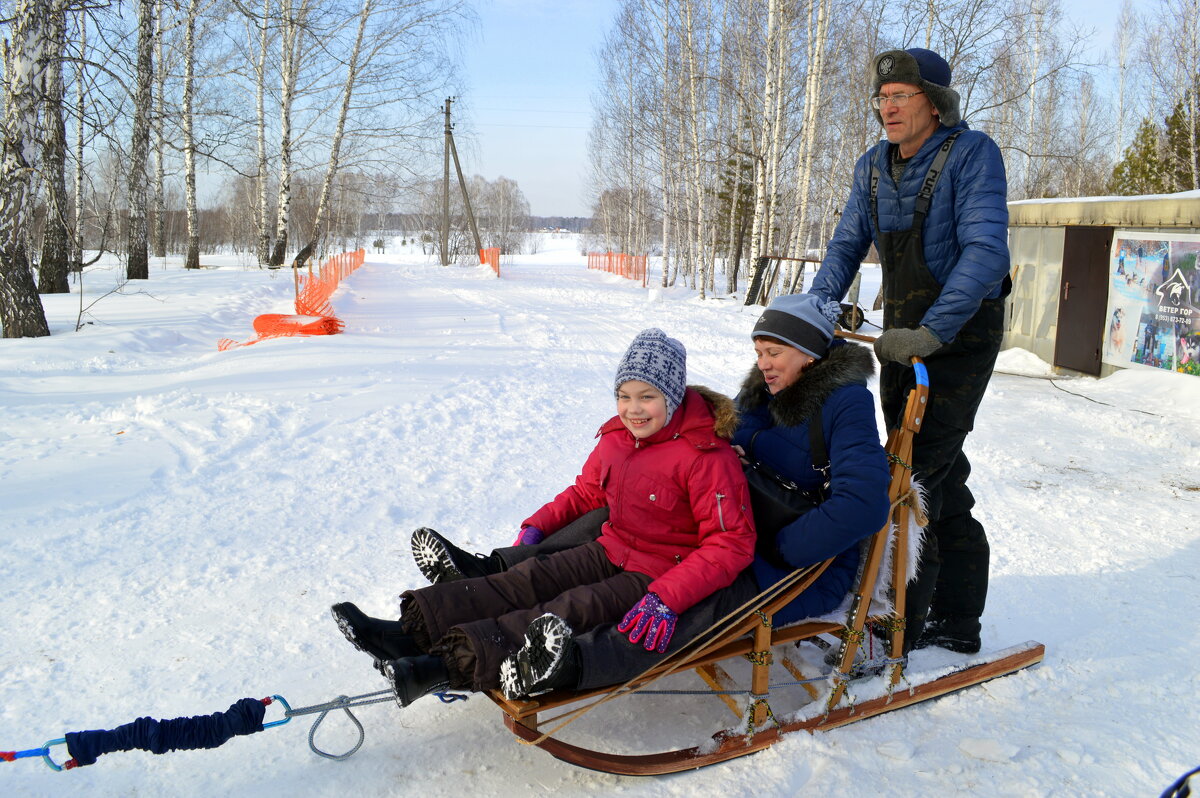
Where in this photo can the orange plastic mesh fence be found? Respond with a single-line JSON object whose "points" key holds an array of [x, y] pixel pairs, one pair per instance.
{"points": [[632, 267], [490, 257], [314, 313]]}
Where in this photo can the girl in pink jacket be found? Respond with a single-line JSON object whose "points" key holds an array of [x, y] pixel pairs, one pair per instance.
{"points": [[679, 529]]}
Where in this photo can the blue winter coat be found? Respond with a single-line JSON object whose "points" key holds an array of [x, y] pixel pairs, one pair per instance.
{"points": [[857, 503], [966, 231]]}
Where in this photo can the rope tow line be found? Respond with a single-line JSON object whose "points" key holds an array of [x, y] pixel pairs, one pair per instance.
{"points": [[205, 731]]}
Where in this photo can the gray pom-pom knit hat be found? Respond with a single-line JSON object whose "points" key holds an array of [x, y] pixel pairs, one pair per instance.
{"points": [[658, 360], [918, 67]]}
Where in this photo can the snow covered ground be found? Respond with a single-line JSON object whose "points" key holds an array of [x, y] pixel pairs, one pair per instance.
{"points": [[177, 521]]}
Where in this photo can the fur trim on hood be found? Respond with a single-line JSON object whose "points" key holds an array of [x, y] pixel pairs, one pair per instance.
{"points": [[723, 409], [846, 364]]}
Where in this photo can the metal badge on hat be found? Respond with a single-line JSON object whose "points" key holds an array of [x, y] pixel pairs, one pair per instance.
{"points": [[886, 65]]}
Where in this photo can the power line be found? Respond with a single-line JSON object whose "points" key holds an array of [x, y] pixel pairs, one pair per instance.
{"points": [[538, 127], [530, 110]]}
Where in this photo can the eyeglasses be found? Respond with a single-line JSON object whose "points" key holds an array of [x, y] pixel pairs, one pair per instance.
{"points": [[898, 100]]}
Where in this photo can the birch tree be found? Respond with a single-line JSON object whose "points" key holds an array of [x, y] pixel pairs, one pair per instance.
{"points": [[21, 312], [55, 257], [769, 134], [1123, 41], [260, 139], [80, 138], [695, 124], [137, 265], [818, 28], [159, 102], [191, 258], [352, 68], [293, 21]]}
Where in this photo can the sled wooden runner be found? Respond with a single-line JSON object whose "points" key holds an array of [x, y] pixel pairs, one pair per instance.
{"points": [[751, 635]]}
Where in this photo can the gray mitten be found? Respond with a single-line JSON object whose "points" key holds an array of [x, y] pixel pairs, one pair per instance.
{"points": [[902, 345]]}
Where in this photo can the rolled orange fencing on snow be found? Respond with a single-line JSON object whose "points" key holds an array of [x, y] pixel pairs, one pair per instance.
{"points": [[314, 313]]}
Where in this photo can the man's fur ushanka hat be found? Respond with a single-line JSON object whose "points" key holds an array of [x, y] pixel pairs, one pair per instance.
{"points": [[918, 67]]}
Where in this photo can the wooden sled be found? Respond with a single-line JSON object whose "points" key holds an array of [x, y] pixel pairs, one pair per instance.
{"points": [[750, 634]]}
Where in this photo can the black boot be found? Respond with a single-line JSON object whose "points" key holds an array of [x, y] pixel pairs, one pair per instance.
{"points": [[413, 677], [439, 560], [956, 633], [549, 660], [381, 639]]}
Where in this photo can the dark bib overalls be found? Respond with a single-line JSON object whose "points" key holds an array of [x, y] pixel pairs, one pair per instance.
{"points": [[954, 566]]}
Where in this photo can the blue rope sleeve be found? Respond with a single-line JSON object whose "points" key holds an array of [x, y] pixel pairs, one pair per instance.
{"points": [[177, 734]]}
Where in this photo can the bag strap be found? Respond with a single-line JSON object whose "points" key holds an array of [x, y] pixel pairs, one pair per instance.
{"points": [[816, 446], [816, 442]]}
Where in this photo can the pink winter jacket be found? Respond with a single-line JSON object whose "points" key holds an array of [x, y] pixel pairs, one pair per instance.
{"points": [[679, 505]]}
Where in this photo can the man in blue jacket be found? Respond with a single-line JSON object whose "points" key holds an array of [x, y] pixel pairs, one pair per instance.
{"points": [[932, 198]]}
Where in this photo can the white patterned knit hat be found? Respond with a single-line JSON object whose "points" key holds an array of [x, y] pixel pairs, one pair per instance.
{"points": [[657, 360]]}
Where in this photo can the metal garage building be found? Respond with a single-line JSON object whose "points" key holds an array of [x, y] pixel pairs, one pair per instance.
{"points": [[1106, 283]]}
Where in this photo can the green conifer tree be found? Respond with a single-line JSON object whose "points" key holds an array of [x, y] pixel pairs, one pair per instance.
{"points": [[1179, 154]]}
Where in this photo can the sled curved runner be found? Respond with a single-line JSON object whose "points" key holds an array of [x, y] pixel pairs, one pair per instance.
{"points": [[751, 635]]}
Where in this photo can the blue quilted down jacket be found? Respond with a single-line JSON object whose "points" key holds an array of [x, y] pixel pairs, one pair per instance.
{"points": [[966, 232]]}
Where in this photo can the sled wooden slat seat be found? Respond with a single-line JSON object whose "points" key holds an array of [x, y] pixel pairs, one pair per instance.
{"points": [[751, 635]]}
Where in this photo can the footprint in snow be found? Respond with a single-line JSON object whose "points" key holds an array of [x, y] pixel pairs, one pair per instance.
{"points": [[988, 750]]}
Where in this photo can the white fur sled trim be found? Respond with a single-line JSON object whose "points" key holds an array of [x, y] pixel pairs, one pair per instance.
{"points": [[881, 599]]}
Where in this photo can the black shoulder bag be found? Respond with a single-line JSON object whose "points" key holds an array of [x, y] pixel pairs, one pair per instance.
{"points": [[778, 501]]}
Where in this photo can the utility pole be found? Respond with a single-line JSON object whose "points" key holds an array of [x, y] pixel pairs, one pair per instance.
{"points": [[446, 188], [450, 150]]}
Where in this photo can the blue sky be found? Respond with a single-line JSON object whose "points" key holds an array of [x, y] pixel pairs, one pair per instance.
{"points": [[530, 72]]}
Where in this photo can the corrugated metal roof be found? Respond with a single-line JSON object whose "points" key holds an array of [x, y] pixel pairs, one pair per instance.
{"points": [[1160, 210]]}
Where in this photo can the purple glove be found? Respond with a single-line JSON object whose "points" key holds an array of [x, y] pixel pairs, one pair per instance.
{"points": [[652, 618], [528, 536]]}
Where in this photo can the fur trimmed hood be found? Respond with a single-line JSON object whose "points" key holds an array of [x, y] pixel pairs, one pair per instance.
{"points": [[724, 411], [846, 364]]}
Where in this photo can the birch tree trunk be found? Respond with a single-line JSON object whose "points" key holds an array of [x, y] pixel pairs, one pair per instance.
{"points": [[1124, 41], [818, 19], [664, 145], [760, 174], [21, 312], [77, 240], [1033, 67], [260, 84], [768, 138], [331, 170], [191, 259], [632, 178], [288, 69], [137, 266], [696, 115], [160, 116], [56, 238]]}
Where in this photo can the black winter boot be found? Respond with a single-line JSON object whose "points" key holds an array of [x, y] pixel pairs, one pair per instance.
{"points": [[439, 560], [549, 660], [954, 633], [413, 677], [381, 639]]}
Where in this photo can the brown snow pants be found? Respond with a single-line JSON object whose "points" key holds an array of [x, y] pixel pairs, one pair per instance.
{"points": [[475, 623]]}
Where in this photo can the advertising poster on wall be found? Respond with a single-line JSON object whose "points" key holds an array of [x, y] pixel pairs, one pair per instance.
{"points": [[1153, 319]]}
